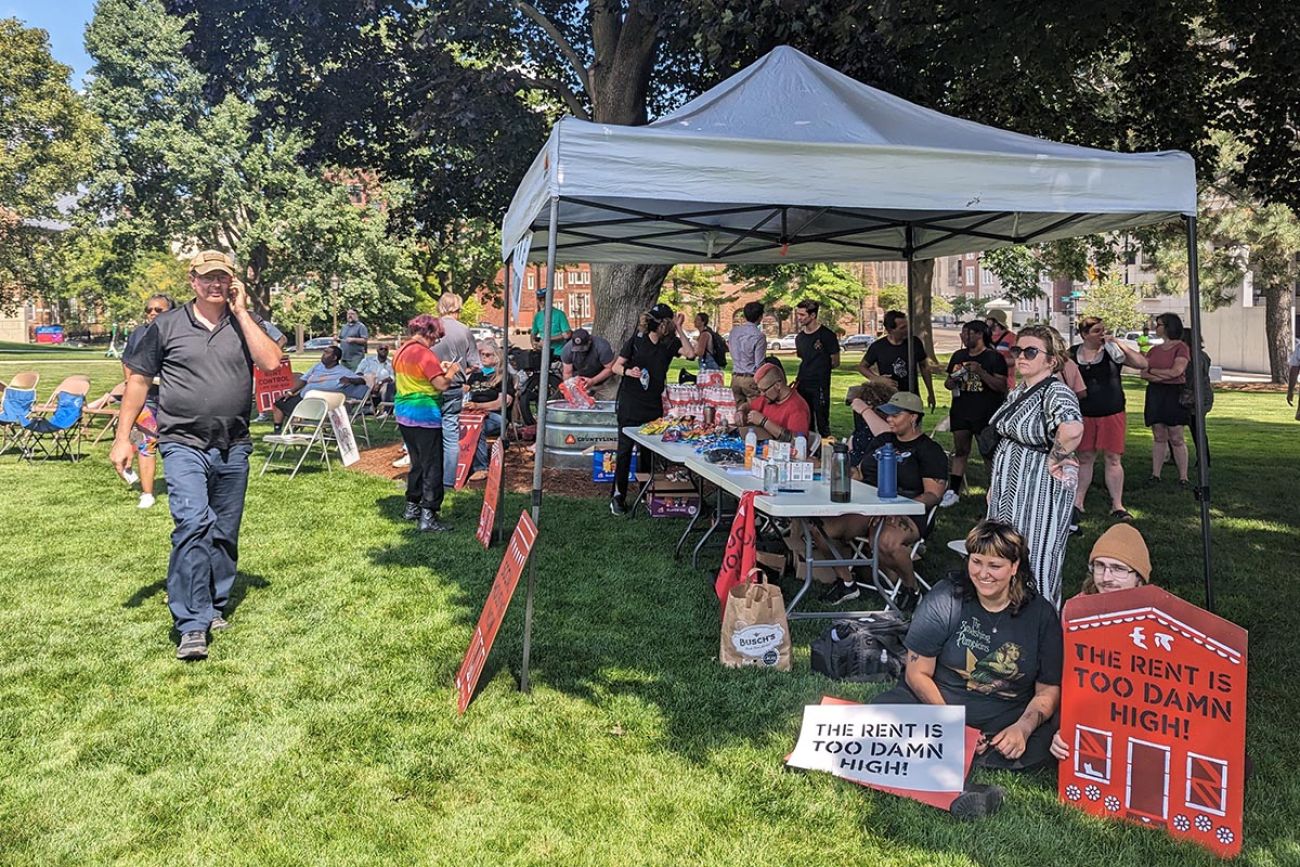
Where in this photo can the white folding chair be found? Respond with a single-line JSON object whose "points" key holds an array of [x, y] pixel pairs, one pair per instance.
{"points": [[358, 409], [305, 429], [886, 585]]}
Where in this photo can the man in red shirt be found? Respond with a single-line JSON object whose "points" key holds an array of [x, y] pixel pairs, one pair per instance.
{"points": [[778, 412]]}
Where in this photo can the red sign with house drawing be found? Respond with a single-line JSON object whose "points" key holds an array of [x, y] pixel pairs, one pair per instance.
{"points": [[1153, 709]]}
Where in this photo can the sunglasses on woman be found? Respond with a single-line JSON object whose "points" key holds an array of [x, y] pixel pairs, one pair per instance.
{"points": [[155, 310], [1029, 352]]}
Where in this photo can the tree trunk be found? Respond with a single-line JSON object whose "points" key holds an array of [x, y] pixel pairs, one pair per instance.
{"points": [[621, 294], [1277, 328], [922, 272]]}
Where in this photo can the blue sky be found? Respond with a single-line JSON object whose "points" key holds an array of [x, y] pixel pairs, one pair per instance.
{"points": [[64, 20]]}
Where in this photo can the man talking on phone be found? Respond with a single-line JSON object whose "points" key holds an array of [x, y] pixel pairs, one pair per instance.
{"points": [[203, 354]]}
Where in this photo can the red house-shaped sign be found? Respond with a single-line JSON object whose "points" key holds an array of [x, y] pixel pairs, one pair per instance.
{"points": [[1153, 709]]}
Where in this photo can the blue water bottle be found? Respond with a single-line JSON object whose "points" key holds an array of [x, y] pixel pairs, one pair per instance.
{"points": [[886, 472]]}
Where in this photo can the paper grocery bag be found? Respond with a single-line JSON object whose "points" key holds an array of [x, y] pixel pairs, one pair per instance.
{"points": [[754, 627]]}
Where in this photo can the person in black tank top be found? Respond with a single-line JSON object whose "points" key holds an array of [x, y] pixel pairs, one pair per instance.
{"points": [[1101, 359]]}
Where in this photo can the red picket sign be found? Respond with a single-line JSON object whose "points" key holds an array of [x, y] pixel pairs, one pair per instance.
{"points": [[1153, 709], [487, 517], [494, 609], [741, 553], [471, 425], [270, 387]]}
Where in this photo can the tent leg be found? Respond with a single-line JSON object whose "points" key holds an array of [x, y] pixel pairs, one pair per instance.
{"points": [[1198, 379], [539, 444], [507, 404], [912, 372]]}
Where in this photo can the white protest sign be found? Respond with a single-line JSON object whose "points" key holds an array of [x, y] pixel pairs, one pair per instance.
{"points": [[518, 264], [909, 746], [349, 454]]}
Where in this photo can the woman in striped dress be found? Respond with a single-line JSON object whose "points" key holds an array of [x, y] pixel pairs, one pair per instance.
{"points": [[1035, 471]]}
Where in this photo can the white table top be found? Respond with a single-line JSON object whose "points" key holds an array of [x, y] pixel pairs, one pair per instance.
{"points": [[677, 453], [814, 502]]}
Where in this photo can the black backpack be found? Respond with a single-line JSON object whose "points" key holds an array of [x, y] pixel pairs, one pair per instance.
{"points": [[863, 650], [718, 348]]}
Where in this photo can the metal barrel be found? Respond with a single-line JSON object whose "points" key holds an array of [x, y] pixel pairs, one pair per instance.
{"points": [[572, 430]]}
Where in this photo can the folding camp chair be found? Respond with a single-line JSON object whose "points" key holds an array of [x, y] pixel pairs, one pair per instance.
{"points": [[16, 403], [305, 429], [108, 407], [357, 410], [59, 435]]}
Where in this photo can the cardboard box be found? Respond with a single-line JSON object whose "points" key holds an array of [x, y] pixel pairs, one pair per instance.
{"points": [[669, 499], [787, 471], [603, 458]]}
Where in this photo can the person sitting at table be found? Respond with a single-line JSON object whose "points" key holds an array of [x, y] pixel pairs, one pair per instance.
{"points": [[1119, 561], [326, 375], [986, 639], [922, 476], [778, 412]]}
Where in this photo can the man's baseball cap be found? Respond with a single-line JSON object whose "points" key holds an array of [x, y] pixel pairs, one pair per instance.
{"points": [[903, 401], [661, 312], [997, 315], [580, 339], [212, 260]]}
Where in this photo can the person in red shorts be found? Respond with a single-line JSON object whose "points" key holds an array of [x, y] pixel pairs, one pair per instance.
{"points": [[778, 412], [1101, 358]]}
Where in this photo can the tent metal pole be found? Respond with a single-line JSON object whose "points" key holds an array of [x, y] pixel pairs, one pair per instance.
{"points": [[543, 388], [1202, 489], [908, 249], [507, 392]]}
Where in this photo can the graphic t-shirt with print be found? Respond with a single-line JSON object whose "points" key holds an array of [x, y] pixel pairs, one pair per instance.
{"points": [[987, 661], [417, 403]]}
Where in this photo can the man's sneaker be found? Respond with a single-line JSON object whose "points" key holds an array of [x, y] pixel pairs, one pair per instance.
{"points": [[977, 801], [403, 461], [146, 501], [194, 645], [1075, 517], [950, 499], [263, 416], [839, 592], [219, 624], [412, 512], [617, 506]]}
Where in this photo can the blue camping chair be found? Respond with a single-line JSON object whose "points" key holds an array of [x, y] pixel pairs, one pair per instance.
{"points": [[15, 409], [58, 436]]}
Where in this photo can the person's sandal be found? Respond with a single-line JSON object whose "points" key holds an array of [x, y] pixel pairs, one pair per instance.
{"points": [[1122, 515]]}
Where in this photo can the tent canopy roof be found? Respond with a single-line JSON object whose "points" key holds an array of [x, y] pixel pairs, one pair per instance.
{"points": [[789, 160]]}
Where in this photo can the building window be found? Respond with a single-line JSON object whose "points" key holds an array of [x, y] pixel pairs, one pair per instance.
{"points": [[986, 277], [532, 282], [970, 275], [1207, 784]]}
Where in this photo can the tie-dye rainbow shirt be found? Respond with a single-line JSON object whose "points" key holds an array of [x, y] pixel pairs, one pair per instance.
{"points": [[417, 402]]}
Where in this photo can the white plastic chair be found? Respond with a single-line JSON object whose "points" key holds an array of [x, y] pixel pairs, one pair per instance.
{"points": [[305, 429]]}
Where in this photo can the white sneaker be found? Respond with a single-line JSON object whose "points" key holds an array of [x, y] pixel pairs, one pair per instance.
{"points": [[146, 501], [403, 461], [949, 500]]}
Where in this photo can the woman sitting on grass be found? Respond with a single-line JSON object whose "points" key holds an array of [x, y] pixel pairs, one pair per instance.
{"points": [[984, 638]]}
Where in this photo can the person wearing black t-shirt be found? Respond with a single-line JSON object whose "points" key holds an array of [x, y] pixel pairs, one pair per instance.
{"points": [[922, 472], [885, 360], [977, 376], [819, 353], [1101, 359], [659, 339], [985, 639]]}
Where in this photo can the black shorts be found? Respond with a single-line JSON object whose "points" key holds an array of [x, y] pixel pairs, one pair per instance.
{"points": [[974, 425], [288, 403]]}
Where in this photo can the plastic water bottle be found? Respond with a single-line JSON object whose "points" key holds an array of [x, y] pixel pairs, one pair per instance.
{"points": [[841, 487], [800, 447], [645, 379], [751, 445], [771, 479], [886, 472], [828, 450], [1070, 477]]}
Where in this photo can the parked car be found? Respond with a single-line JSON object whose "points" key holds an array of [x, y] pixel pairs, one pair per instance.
{"points": [[316, 344], [783, 344], [858, 341], [486, 332], [1132, 338]]}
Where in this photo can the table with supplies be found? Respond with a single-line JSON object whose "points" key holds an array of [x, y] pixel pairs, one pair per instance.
{"points": [[801, 500]]}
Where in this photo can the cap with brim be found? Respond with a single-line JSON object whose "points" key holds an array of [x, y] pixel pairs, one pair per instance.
{"points": [[581, 339], [903, 401], [212, 260], [998, 316], [661, 312]]}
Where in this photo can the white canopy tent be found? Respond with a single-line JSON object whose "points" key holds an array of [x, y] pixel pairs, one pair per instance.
{"points": [[789, 160]]}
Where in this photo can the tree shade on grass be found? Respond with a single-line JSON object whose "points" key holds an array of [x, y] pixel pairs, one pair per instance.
{"points": [[323, 729]]}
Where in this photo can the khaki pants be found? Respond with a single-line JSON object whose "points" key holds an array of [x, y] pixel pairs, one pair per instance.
{"points": [[743, 386], [607, 390]]}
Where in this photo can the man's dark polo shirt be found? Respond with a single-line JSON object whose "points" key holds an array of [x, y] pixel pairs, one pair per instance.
{"points": [[205, 392]]}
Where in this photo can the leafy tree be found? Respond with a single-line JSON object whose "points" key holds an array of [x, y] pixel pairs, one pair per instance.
{"points": [[964, 307], [1018, 268], [942, 304], [892, 296], [699, 288], [179, 168], [835, 288], [1116, 303]]}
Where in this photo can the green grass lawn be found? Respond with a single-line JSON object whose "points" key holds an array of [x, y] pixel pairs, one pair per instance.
{"points": [[323, 728]]}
